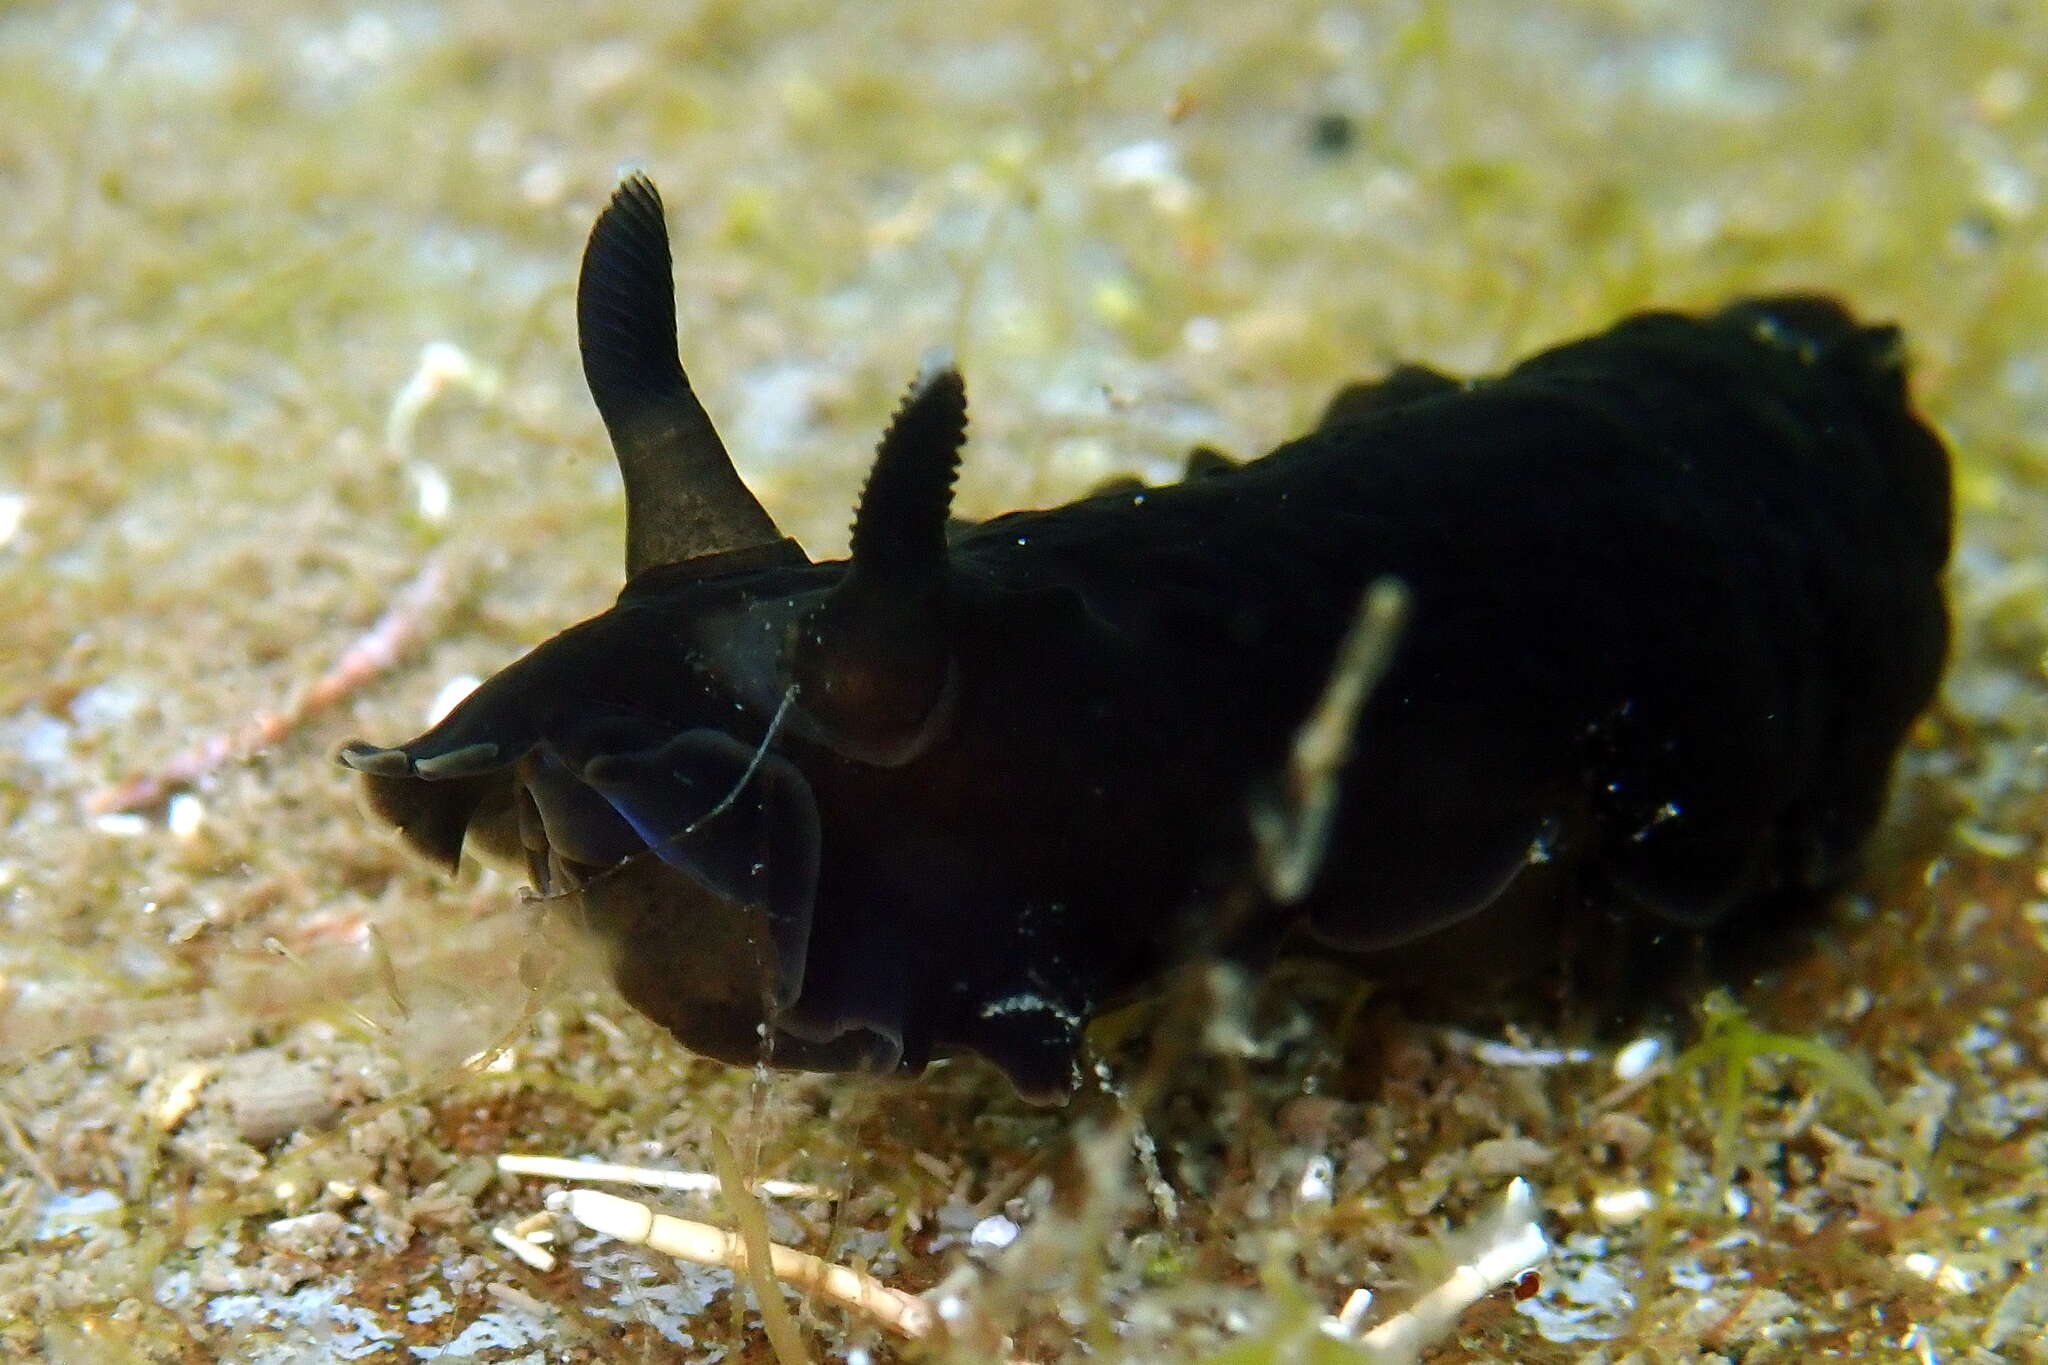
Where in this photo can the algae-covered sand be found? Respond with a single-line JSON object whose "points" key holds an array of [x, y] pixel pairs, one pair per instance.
{"points": [[288, 346]]}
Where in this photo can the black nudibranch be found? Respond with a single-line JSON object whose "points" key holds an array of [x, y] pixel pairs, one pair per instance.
{"points": [[1672, 601]]}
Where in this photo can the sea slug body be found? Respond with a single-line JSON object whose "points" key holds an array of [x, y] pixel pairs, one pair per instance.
{"points": [[1672, 600]]}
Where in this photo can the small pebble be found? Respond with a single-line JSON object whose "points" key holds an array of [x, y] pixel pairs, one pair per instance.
{"points": [[272, 1100], [1316, 1180], [13, 509], [186, 814], [309, 1234], [993, 1233], [1632, 1061], [1622, 1206]]}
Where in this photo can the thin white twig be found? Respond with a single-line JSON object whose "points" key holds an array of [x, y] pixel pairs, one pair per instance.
{"points": [[1291, 827], [607, 1173], [906, 1315], [530, 1252], [1501, 1247]]}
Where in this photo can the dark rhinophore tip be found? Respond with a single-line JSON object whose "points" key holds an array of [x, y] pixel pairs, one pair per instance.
{"points": [[872, 665], [899, 530], [683, 496]]}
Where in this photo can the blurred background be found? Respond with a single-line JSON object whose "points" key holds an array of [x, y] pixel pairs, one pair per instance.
{"points": [[293, 442]]}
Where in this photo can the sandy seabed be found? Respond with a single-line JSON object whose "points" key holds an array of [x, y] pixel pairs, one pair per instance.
{"points": [[286, 342]]}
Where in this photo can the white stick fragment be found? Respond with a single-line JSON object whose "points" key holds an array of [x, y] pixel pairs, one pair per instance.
{"points": [[513, 1297], [1351, 1314], [1291, 828], [607, 1173], [904, 1314], [538, 1257], [1495, 1053], [1502, 1248]]}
